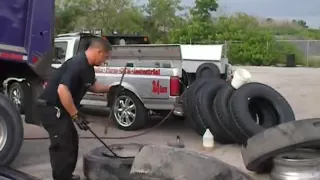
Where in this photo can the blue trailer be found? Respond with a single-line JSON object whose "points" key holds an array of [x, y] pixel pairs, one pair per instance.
{"points": [[26, 51]]}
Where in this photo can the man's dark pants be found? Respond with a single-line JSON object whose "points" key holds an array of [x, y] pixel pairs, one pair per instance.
{"points": [[64, 142]]}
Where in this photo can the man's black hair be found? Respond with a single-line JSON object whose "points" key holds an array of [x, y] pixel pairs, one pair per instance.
{"points": [[98, 42]]}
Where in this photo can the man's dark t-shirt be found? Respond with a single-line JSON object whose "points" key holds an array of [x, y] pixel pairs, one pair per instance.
{"points": [[77, 74]]}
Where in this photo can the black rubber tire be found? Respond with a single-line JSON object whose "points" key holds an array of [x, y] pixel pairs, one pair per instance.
{"points": [[190, 104], [257, 155], [222, 113], [14, 174], [263, 113], [207, 70], [240, 112], [97, 166], [204, 103], [14, 126], [221, 110], [141, 112], [20, 86]]}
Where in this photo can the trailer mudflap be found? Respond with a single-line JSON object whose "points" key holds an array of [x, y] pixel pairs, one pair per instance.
{"points": [[31, 108]]}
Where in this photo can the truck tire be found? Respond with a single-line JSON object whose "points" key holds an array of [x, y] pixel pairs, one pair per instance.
{"points": [[11, 131], [16, 94], [190, 105], [137, 115], [222, 113], [204, 110], [221, 110], [11, 174], [97, 166], [257, 155], [207, 70], [240, 111]]}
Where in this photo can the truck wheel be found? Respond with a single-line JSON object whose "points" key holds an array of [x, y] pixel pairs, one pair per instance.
{"points": [[11, 131], [128, 112], [16, 95]]}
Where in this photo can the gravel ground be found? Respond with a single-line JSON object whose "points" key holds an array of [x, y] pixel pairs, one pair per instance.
{"points": [[298, 85]]}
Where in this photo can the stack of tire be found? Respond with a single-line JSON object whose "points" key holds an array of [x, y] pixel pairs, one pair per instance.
{"points": [[233, 115]]}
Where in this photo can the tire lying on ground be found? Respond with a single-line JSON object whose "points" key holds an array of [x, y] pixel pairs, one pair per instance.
{"points": [[207, 70], [158, 162], [257, 155], [292, 165], [99, 163], [258, 93], [204, 111], [11, 174], [190, 104], [11, 131]]}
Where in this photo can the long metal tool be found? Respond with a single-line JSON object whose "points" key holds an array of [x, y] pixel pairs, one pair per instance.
{"points": [[115, 97], [107, 121], [103, 143]]}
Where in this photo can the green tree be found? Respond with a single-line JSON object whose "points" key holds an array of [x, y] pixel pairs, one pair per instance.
{"points": [[161, 17]]}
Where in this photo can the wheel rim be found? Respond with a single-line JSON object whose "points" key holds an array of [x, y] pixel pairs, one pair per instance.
{"points": [[3, 133], [125, 111], [16, 98]]}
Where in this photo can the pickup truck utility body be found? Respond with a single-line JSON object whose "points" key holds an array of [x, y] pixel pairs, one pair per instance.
{"points": [[153, 82], [26, 41]]}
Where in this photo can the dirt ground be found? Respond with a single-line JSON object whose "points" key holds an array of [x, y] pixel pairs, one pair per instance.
{"points": [[300, 86]]}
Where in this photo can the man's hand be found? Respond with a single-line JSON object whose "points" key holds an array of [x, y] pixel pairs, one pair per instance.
{"points": [[81, 121]]}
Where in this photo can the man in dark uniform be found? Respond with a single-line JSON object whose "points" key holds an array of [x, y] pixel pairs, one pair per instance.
{"points": [[59, 105]]}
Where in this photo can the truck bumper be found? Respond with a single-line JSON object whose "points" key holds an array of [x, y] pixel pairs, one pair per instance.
{"points": [[164, 104]]}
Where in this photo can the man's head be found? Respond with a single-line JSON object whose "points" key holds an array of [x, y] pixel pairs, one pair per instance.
{"points": [[98, 51]]}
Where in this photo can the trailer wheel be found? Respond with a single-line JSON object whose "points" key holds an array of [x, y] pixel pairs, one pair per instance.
{"points": [[207, 70], [128, 112], [17, 96], [11, 131]]}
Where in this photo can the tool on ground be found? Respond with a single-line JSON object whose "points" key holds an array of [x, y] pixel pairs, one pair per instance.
{"points": [[178, 143], [102, 142]]}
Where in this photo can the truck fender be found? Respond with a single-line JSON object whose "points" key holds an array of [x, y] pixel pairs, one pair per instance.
{"points": [[8, 81], [126, 86]]}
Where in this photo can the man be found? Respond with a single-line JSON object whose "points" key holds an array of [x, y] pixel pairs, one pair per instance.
{"points": [[60, 101]]}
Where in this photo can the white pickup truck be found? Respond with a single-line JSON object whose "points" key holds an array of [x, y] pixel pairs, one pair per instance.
{"points": [[156, 78]]}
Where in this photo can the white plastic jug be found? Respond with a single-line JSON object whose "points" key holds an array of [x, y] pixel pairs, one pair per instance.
{"points": [[240, 77], [208, 140]]}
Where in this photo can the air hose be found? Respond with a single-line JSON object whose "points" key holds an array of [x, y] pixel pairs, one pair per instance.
{"points": [[119, 137]]}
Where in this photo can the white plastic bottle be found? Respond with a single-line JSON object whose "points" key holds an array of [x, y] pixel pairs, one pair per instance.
{"points": [[208, 140]]}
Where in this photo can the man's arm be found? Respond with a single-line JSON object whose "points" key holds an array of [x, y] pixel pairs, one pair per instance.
{"points": [[66, 99], [64, 91], [99, 88]]}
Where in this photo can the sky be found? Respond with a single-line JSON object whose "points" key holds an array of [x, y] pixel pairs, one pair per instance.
{"points": [[278, 9]]}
